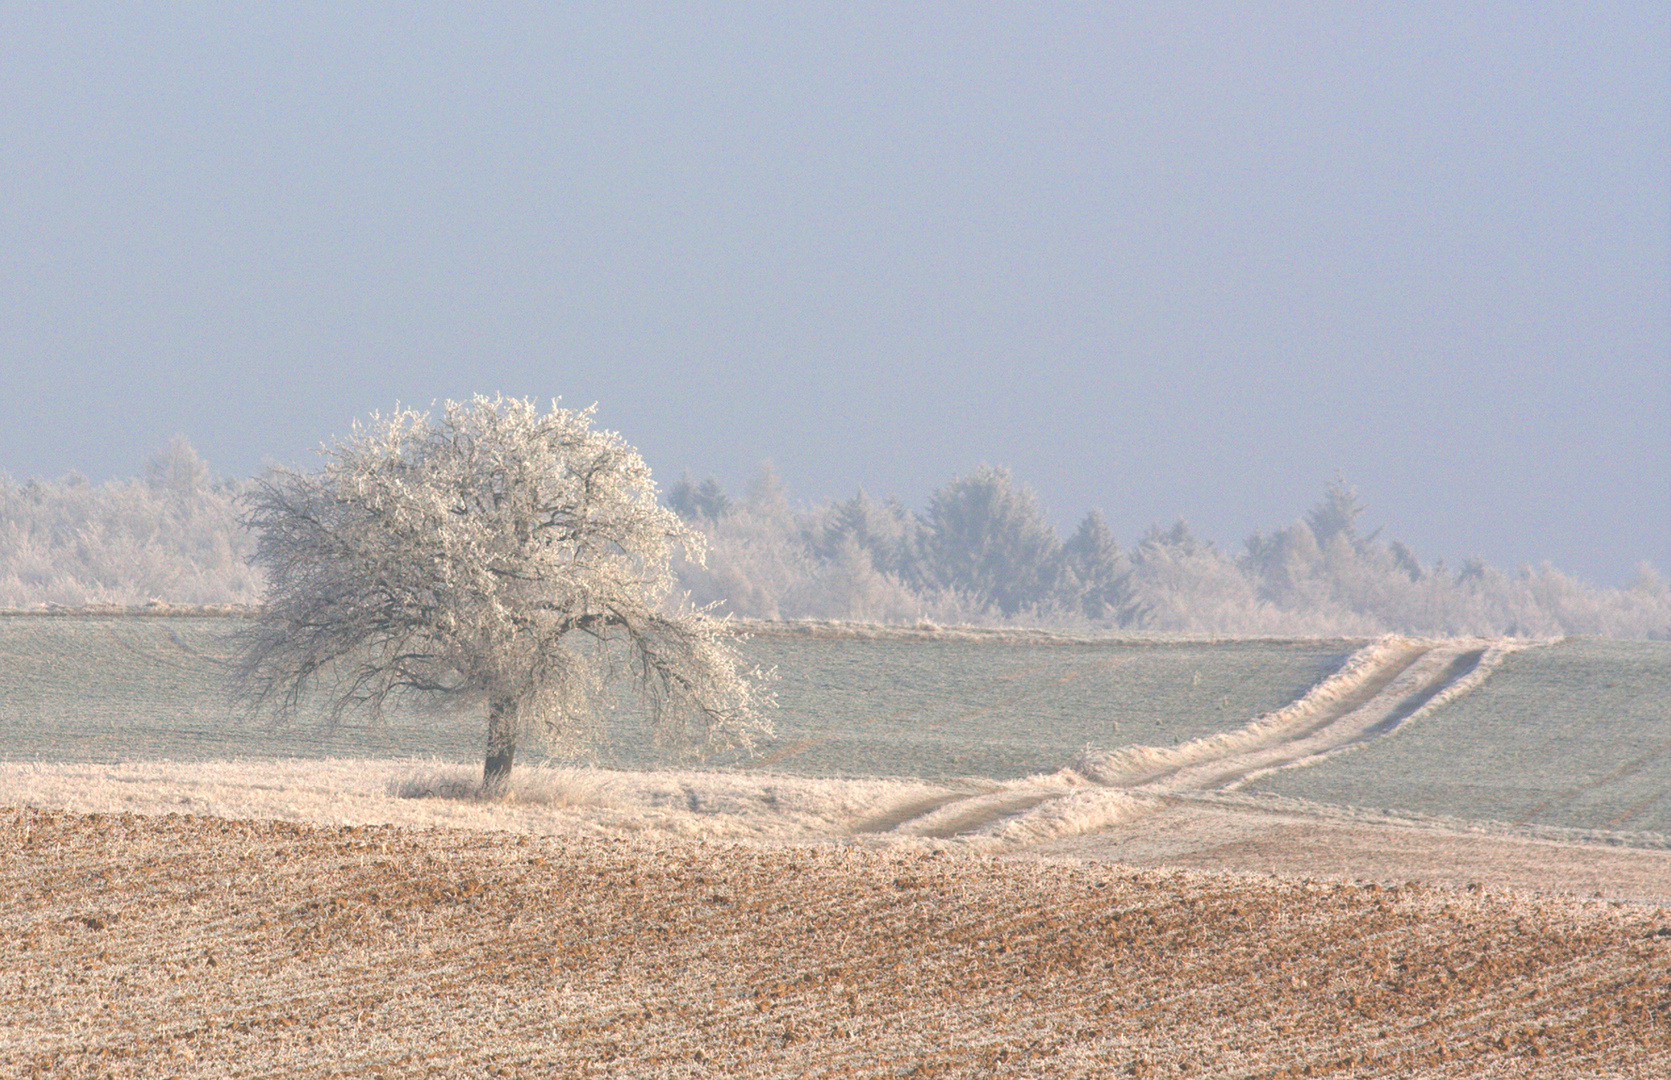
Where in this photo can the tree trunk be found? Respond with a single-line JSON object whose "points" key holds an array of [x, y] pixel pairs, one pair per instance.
{"points": [[501, 744]]}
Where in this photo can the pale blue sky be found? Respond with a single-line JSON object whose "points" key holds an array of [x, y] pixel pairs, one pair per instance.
{"points": [[1166, 260]]}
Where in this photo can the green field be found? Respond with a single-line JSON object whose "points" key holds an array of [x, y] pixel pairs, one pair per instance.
{"points": [[1576, 734], [124, 689], [127, 689], [1003, 710]]}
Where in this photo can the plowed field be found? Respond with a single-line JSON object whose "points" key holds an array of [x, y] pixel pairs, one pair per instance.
{"points": [[141, 945]]}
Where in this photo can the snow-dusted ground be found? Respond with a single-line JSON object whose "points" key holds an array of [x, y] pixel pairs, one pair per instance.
{"points": [[749, 921], [1575, 735], [112, 715], [854, 701]]}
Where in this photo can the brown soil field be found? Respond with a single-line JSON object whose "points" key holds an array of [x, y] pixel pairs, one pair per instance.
{"points": [[1309, 841], [135, 945]]}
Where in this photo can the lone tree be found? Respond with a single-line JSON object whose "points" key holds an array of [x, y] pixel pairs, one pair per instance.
{"points": [[514, 558]]}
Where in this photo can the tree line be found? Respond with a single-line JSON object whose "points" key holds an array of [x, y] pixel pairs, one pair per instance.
{"points": [[172, 534], [980, 551]]}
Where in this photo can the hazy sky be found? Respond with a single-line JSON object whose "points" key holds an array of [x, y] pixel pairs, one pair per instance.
{"points": [[1166, 260]]}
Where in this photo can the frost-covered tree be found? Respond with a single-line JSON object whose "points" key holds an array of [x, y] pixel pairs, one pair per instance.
{"points": [[985, 535], [1093, 578], [695, 502], [886, 532], [516, 558], [767, 493], [1336, 514], [177, 469]]}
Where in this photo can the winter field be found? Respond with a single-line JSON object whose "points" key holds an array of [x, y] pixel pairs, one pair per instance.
{"points": [[1571, 735], [965, 853]]}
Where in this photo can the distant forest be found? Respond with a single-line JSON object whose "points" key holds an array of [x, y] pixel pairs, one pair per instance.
{"points": [[172, 536], [980, 552]]}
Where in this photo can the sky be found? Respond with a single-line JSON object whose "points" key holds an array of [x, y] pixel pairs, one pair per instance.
{"points": [[1165, 260]]}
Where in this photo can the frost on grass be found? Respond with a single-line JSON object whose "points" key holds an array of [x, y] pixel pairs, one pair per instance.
{"points": [[541, 800], [1391, 682]]}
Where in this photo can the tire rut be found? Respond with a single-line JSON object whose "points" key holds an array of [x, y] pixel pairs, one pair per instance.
{"points": [[1377, 691], [1332, 713], [891, 818]]}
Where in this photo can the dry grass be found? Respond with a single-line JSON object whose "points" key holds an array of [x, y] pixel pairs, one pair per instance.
{"points": [[146, 945]]}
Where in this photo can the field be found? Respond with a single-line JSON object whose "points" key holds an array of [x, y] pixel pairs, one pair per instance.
{"points": [[125, 689], [139, 945], [1576, 734], [965, 855]]}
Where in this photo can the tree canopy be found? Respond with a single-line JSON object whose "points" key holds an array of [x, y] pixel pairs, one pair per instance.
{"points": [[516, 558], [986, 535]]}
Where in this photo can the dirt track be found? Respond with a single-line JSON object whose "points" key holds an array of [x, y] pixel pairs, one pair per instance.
{"points": [[1326, 842], [135, 945]]}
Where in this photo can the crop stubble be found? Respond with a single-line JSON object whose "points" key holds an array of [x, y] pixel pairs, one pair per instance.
{"points": [[147, 945]]}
